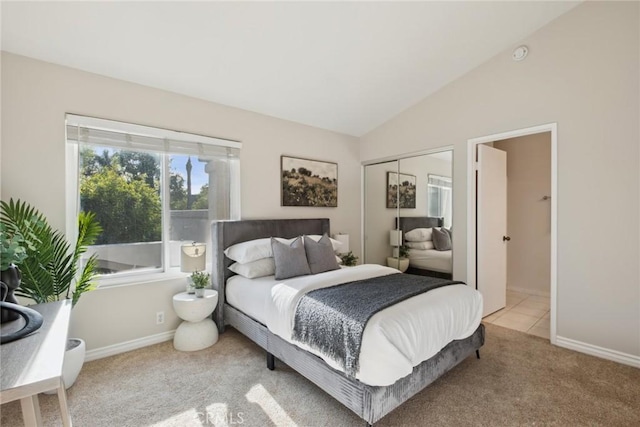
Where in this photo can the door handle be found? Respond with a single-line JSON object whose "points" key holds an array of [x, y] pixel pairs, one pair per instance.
{"points": [[506, 238]]}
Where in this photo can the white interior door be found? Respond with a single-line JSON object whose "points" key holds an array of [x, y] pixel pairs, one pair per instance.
{"points": [[491, 228]]}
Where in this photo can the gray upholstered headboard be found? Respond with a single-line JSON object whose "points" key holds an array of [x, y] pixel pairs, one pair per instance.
{"points": [[408, 223], [227, 233]]}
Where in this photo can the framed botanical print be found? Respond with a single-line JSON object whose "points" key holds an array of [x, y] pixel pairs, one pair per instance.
{"points": [[401, 188], [307, 182]]}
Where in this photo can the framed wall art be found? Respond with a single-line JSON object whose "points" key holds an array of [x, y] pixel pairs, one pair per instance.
{"points": [[402, 188], [307, 182]]}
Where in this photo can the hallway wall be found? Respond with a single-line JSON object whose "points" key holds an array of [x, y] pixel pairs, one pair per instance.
{"points": [[528, 216]]}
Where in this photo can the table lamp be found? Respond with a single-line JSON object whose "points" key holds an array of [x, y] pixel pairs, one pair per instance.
{"points": [[395, 240], [344, 239], [192, 258]]}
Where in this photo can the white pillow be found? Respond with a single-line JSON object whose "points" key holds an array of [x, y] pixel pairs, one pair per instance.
{"points": [[334, 243], [420, 245], [418, 235], [252, 250], [254, 269]]}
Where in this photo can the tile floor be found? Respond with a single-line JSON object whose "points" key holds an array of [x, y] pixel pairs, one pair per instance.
{"points": [[524, 312]]}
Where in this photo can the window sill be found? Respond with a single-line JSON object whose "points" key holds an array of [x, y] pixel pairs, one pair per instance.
{"points": [[139, 279]]}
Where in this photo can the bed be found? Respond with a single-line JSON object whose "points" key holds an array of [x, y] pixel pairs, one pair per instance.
{"points": [[370, 402], [426, 262]]}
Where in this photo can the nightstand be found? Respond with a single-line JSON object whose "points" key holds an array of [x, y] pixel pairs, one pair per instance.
{"points": [[198, 331]]}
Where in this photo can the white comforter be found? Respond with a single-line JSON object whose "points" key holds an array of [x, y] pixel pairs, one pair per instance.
{"points": [[395, 339]]}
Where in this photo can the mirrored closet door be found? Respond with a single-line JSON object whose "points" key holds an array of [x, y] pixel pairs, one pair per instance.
{"points": [[379, 212], [408, 213]]}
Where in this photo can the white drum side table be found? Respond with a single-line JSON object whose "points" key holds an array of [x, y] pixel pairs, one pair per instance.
{"points": [[198, 331], [401, 264]]}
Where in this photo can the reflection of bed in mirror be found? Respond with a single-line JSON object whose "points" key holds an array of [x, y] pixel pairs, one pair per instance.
{"points": [[428, 261]]}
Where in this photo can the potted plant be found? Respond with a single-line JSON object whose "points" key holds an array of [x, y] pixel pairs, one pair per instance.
{"points": [[402, 261], [200, 282], [403, 251], [348, 259], [12, 253], [51, 268]]}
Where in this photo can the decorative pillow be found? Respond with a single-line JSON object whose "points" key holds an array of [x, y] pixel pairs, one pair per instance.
{"points": [[418, 235], [336, 244], [320, 254], [448, 230], [441, 239], [254, 269], [290, 260], [252, 250], [419, 245]]}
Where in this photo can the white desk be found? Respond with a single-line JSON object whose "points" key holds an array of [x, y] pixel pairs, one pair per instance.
{"points": [[33, 364]]}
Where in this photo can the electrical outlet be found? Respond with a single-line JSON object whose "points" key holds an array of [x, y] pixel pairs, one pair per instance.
{"points": [[159, 317]]}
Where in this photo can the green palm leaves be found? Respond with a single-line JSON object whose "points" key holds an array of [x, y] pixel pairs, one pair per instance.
{"points": [[51, 264]]}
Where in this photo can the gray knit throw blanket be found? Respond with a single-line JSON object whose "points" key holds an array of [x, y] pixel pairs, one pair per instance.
{"points": [[332, 320]]}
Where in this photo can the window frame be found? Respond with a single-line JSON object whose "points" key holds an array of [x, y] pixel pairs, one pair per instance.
{"points": [[72, 186], [440, 188]]}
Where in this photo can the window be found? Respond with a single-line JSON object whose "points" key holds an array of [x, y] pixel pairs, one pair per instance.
{"points": [[151, 190], [439, 203]]}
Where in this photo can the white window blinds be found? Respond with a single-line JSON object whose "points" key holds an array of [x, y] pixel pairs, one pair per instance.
{"points": [[100, 132]]}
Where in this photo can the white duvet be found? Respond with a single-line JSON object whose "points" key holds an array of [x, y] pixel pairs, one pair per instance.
{"points": [[395, 339], [431, 259]]}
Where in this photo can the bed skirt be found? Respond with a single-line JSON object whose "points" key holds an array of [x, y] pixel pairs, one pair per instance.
{"points": [[370, 403]]}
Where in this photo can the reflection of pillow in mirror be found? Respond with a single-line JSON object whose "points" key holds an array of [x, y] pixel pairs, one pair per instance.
{"points": [[418, 235], [448, 230], [419, 245], [441, 239]]}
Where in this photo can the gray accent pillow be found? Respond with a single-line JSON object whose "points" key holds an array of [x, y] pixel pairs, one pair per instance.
{"points": [[441, 239], [290, 260], [320, 254]]}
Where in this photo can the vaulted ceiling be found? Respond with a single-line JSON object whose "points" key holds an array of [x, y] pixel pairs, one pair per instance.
{"points": [[343, 66]]}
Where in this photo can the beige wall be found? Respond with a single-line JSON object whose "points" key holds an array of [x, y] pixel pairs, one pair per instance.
{"points": [[583, 73], [528, 215], [35, 97]]}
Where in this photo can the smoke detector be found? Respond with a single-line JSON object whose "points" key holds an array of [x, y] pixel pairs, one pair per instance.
{"points": [[520, 53]]}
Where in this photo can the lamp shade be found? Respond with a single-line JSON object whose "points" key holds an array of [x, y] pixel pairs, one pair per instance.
{"points": [[344, 239], [193, 257], [395, 237]]}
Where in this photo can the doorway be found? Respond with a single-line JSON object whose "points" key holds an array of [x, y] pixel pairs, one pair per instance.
{"points": [[533, 282]]}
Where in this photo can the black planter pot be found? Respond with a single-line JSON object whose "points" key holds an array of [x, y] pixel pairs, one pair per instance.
{"points": [[10, 281]]}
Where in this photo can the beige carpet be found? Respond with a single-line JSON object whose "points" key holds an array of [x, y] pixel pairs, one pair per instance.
{"points": [[520, 380]]}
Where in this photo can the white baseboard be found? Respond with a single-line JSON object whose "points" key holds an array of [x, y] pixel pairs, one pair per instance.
{"points": [[594, 350], [123, 347], [528, 291]]}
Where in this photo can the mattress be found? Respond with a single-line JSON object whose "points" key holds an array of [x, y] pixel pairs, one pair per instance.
{"points": [[396, 338], [431, 259]]}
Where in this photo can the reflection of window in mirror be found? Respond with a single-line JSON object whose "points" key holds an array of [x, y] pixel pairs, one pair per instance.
{"points": [[439, 200]]}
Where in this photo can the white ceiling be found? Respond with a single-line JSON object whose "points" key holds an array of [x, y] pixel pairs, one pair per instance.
{"points": [[343, 66]]}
